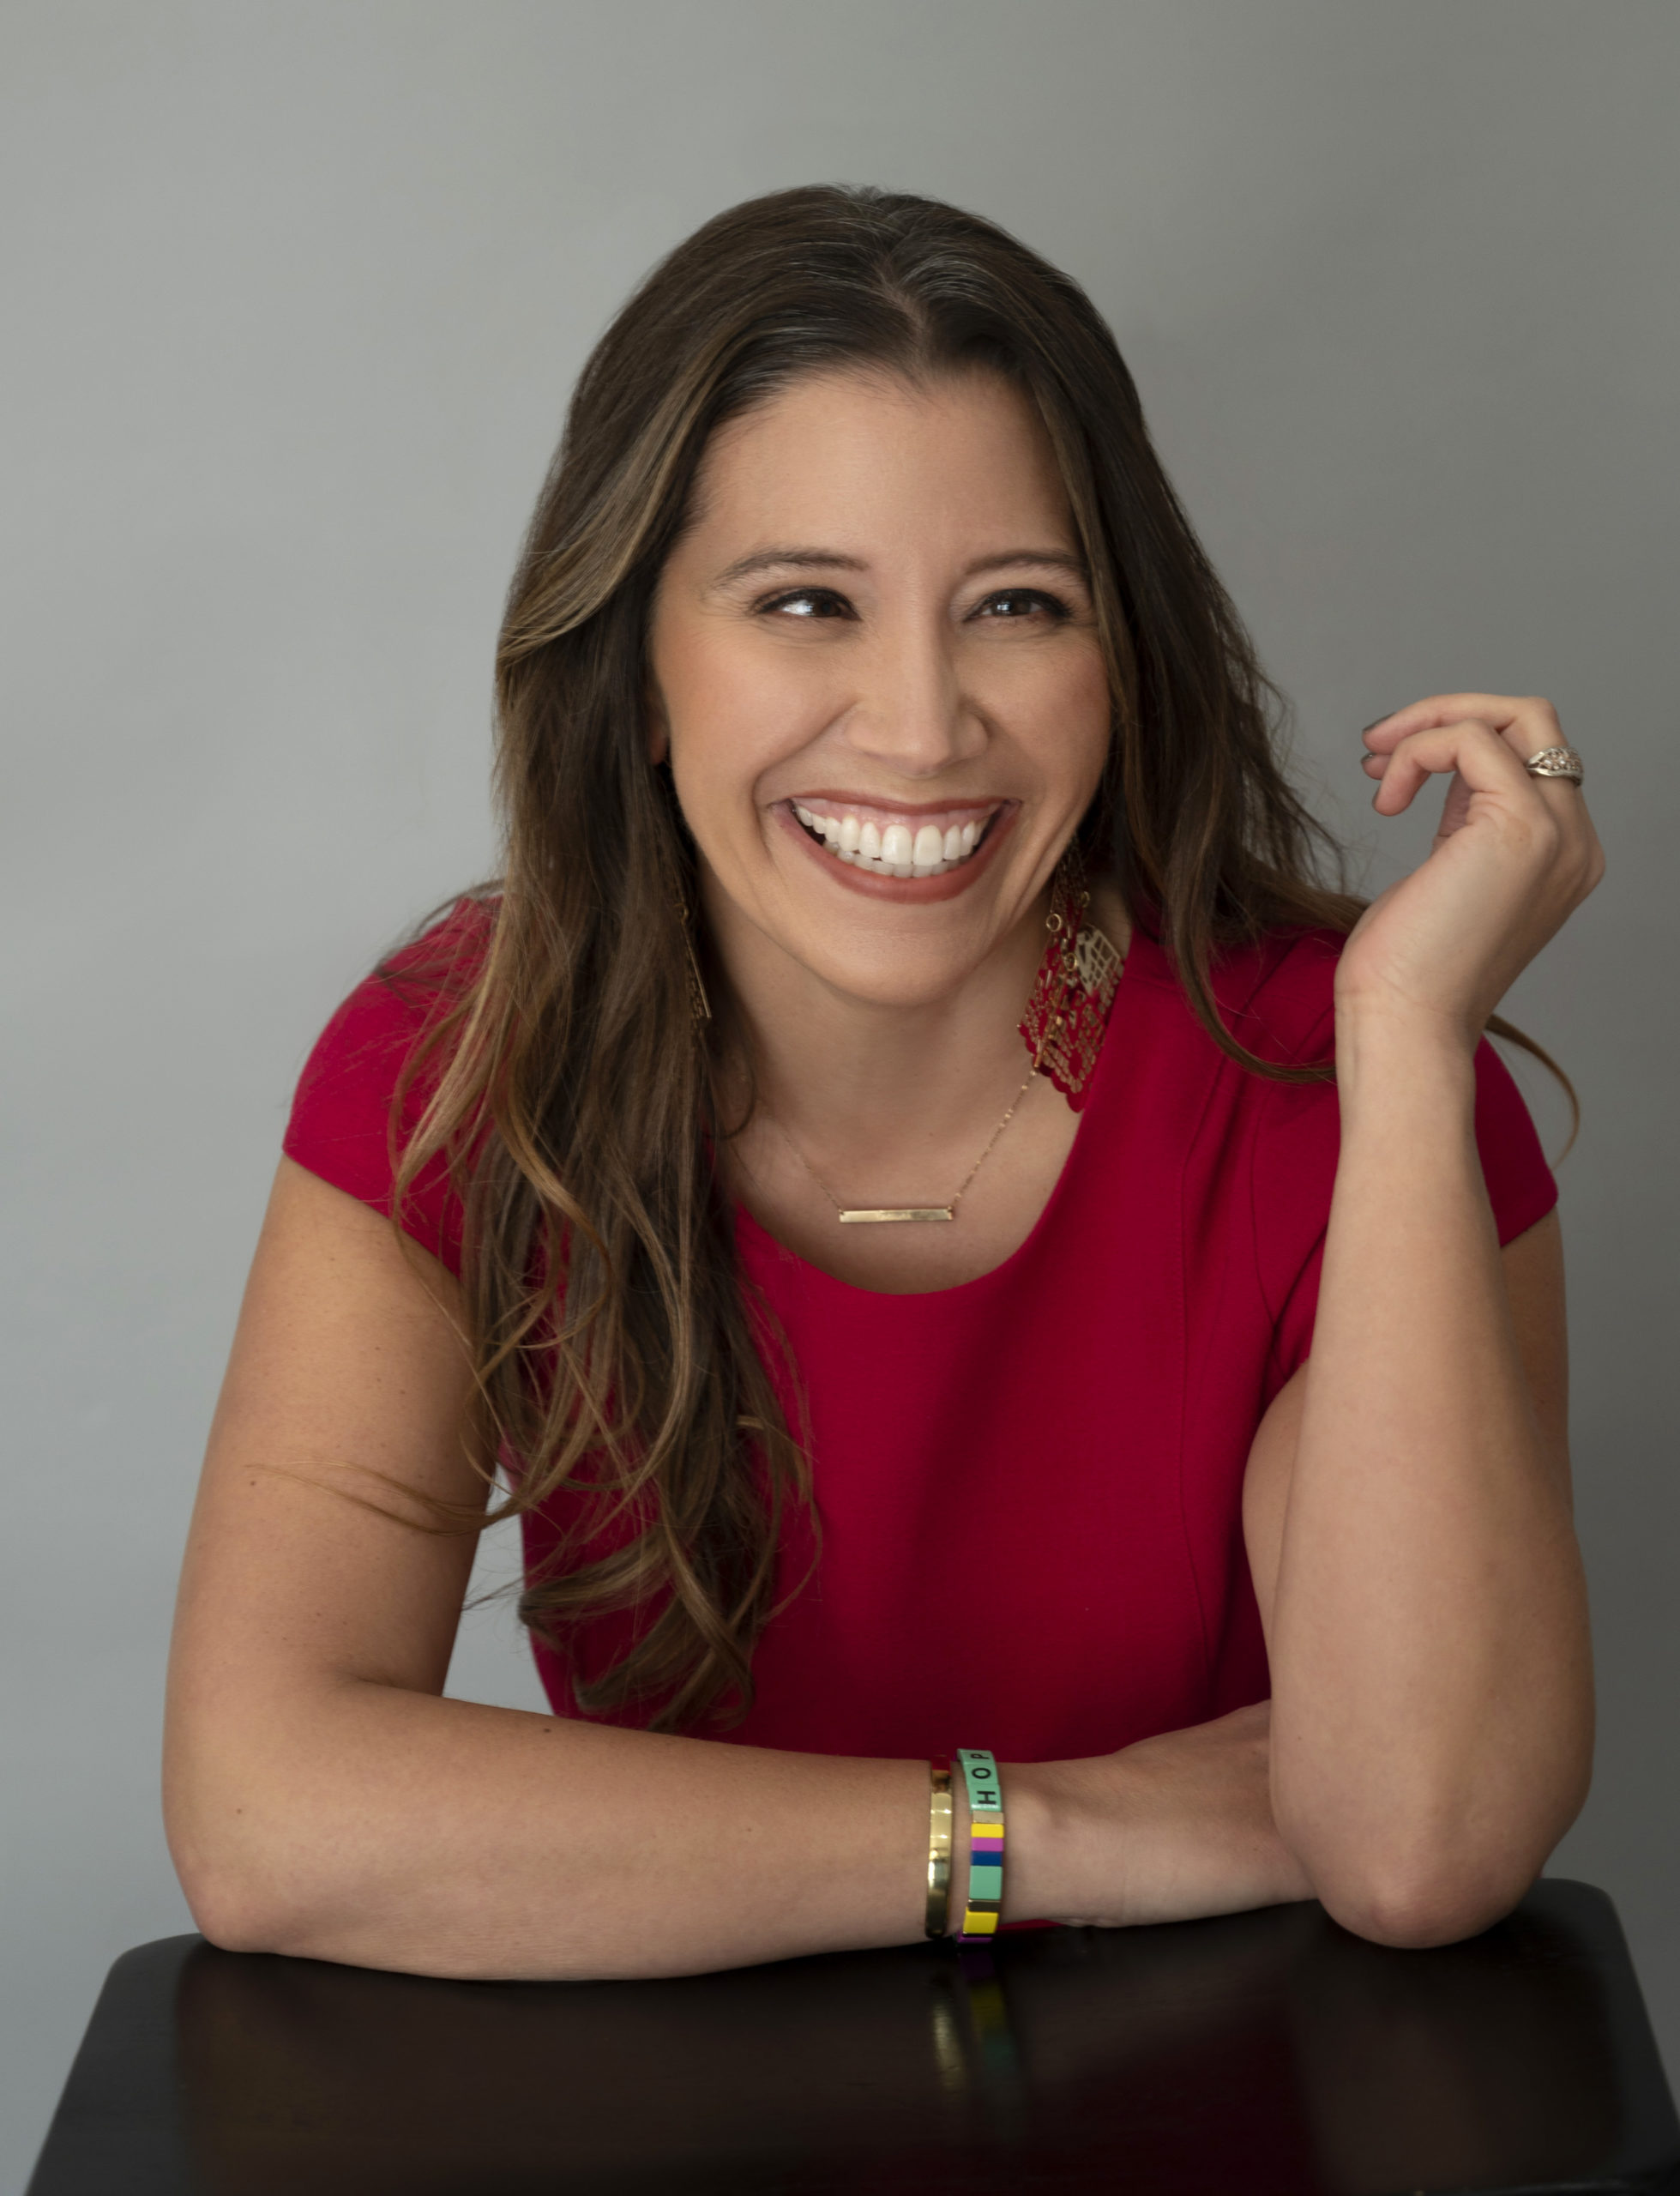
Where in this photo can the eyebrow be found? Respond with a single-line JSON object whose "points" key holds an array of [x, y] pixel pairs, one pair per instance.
{"points": [[812, 560], [766, 560]]}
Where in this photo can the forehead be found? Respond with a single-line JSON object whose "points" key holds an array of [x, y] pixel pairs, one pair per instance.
{"points": [[845, 458]]}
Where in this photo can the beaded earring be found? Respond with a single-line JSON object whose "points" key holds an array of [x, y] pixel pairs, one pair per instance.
{"points": [[1067, 1015]]}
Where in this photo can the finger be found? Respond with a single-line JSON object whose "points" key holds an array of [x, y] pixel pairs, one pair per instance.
{"points": [[1483, 760], [1488, 750], [1517, 718], [1527, 725]]}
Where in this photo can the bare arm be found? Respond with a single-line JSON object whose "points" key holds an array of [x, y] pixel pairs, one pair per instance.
{"points": [[321, 1798], [1432, 1712], [1431, 1728]]}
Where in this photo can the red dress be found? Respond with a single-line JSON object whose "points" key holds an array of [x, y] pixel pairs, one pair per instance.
{"points": [[1030, 1485]]}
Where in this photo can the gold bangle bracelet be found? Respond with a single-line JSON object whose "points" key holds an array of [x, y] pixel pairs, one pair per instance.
{"points": [[941, 1815]]}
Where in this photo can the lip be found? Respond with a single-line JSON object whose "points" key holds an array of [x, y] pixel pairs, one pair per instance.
{"points": [[913, 892], [821, 797]]}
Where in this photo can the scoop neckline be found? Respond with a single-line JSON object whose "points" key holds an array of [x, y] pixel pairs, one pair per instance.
{"points": [[785, 1253]]}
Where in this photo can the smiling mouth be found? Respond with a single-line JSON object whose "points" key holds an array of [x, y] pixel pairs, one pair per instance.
{"points": [[870, 839]]}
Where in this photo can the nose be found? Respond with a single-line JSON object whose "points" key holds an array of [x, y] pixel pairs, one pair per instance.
{"points": [[910, 713]]}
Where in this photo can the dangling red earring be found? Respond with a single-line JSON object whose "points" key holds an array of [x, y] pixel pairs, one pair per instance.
{"points": [[1067, 1016]]}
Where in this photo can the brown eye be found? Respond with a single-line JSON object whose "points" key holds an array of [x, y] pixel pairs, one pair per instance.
{"points": [[809, 602], [1014, 603]]}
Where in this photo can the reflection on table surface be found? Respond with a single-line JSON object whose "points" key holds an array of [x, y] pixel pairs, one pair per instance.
{"points": [[1267, 2052]]}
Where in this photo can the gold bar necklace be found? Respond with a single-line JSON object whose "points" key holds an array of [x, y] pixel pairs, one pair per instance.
{"points": [[846, 1215], [871, 1215]]}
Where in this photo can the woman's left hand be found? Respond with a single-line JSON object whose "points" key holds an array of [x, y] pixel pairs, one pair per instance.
{"points": [[1514, 857]]}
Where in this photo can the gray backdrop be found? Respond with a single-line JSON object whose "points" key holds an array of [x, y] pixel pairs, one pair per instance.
{"points": [[293, 296]]}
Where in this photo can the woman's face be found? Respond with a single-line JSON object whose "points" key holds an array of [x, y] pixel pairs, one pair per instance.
{"points": [[876, 674]]}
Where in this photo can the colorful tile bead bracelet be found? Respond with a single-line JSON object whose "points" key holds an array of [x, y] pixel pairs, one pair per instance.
{"points": [[985, 1846]]}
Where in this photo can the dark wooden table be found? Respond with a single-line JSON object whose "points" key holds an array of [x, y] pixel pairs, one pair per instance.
{"points": [[1266, 2054]]}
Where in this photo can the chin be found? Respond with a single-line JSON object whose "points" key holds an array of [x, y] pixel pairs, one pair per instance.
{"points": [[926, 982]]}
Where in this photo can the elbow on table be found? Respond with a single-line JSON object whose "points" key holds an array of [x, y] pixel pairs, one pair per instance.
{"points": [[232, 1906], [1437, 1880], [232, 1885], [226, 1914], [1417, 1907]]}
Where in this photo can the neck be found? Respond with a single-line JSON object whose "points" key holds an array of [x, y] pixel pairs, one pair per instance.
{"points": [[857, 1078]]}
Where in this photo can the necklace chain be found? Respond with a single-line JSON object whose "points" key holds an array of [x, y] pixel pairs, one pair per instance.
{"points": [[946, 1211], [1068, 939]]}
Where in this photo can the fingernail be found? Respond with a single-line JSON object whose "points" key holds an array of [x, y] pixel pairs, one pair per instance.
{"points": [[1375, 721]]}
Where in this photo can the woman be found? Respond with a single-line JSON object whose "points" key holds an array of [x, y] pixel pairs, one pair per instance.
{"points": [[894, 1314]]}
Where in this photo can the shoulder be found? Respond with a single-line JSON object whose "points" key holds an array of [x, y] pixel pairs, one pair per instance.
{"points": [[436, 967], [364, 1086], [409, 991]]}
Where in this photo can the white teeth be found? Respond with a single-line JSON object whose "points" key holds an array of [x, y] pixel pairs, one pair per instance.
{"points": [[894, 850]]}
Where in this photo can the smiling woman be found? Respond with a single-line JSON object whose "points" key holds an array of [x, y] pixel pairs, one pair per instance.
{"points": [[891, 803]]}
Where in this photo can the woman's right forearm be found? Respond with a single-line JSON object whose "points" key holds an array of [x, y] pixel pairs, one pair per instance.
{"points": [[393, 1829]]}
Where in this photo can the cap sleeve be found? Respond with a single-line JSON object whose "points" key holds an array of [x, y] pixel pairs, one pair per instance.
{"points": [[1521, 1188], [341, 1126], [1295, 1171]]}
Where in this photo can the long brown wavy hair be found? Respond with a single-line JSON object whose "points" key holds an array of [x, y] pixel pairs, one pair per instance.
{"points": [[570, 1094]]}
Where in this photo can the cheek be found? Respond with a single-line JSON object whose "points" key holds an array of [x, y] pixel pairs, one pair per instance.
{"points": [[698, 704], [1092, 704], [726, 724], [724, 732], [731, 713], [1065, 716]]}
